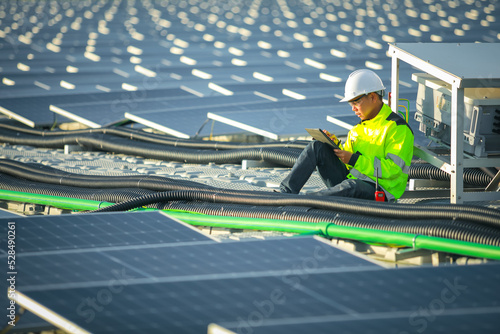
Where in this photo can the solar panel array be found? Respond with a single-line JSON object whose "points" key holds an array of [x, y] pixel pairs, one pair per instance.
{"points": [[260, 66], [375, 301], [145, 272], [167, 64]]}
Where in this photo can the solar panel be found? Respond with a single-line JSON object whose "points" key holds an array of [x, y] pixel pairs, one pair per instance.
{"points": [[140, 263], [183, 117], [288, 298], [277, 123], [432, 300], [35, 111], [108, 111], [28, 112], [404, 322], [43, 85], [70, 238], [100, 230], [44, 110], [169, 261], [7, 214]]}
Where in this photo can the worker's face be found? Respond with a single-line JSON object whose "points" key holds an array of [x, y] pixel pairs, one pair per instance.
{"points": [[364, 106]]}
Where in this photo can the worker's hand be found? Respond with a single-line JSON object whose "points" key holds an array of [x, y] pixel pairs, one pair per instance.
{"points": [[344, 156], [332, 137]]}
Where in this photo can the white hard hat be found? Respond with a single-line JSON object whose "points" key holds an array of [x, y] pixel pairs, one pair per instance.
{"points": [[362, 82]]}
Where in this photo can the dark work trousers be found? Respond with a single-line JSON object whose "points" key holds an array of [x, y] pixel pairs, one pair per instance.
{"points": [[333, 172]]}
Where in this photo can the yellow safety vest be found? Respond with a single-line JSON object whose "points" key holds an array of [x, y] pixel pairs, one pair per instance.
{"points": [[384, 146]]}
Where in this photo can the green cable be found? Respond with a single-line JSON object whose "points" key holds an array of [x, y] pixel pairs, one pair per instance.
{"points": [[407, 109], [56, 201]]}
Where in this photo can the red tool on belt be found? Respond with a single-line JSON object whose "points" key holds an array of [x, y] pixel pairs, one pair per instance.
{"points": [[379, 194]]}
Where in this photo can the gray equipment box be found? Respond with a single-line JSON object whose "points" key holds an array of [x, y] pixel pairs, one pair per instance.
{"points": [[481, 118]]}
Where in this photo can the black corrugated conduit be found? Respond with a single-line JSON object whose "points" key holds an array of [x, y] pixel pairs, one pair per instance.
{"points": [[114, 195], [46, 174], [51, 175], [158, 138], [472, 176], [468, 213], [452, 229], [110, 143], [162, 147]]}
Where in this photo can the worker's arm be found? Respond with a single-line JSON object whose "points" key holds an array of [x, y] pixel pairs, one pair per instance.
{"points": [[344, 156]]}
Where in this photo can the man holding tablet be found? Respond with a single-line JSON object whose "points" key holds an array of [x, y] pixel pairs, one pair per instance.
{"points": [[379, 148]]}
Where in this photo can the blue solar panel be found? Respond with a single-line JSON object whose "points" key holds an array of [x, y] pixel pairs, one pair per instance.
{"points": [[321, 101], [404, 322], [306, 294], [112, 111], [90, 231], [431, 300], [280, 122], [181, 114], [169, 261], [7, 214], [73, 242], [136, 262], [109, 107]]}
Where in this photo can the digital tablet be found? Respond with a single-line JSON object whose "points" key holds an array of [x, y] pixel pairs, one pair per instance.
{"points": [[318, 134]]}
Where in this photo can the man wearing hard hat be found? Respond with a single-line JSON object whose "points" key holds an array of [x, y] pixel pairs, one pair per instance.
{"points": [[378, 150]]}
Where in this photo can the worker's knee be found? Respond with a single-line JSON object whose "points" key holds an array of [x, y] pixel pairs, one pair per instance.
{"points": [[360, 189], [350, 188]]}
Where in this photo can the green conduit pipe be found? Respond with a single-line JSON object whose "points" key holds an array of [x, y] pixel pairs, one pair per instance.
{"points": [[56, 201], [345, 232], [245, 223], [415, 241], [322, 228]]}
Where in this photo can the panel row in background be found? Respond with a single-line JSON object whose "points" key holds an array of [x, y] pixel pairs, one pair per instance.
{"points": [[121, 53], [177, 112]]}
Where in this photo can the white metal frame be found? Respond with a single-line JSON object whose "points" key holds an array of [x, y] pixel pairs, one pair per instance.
{"points": [[455, 166], [55, 319]]}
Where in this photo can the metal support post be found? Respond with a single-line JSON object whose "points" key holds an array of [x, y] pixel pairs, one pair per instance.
{"points": [[394, 83], [457, 143]]}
